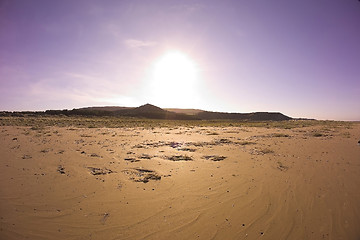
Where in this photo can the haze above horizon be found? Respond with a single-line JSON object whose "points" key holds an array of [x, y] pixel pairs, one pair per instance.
{"points": [[300, 58]]}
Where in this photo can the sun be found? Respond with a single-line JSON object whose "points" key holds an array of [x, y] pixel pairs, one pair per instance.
{"points": [[174, 66], [175, 79]]}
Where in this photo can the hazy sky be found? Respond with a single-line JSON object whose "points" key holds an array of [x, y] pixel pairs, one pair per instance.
{"points": [[301, 58]]}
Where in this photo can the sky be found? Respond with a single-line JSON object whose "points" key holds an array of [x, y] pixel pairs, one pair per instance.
{"points": [[300, 58]]}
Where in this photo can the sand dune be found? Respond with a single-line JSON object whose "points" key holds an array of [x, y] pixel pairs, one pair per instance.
{"points": [[180, 183]]}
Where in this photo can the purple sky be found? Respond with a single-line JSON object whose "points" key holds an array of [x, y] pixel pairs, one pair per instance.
{"points": [[301, 58]]}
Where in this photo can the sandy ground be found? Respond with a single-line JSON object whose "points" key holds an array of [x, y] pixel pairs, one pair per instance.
{"points": [[180, 183]]}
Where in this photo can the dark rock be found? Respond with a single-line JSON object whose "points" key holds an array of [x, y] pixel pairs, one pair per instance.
{"points": [[145, 156], [95, 155], [187, 149], [99, 171], [61, 169], [180, 158], [142, 175], [131, 160], [214, 158]]}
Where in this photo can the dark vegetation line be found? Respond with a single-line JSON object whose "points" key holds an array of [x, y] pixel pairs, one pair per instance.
{"points": [[152, 112], [148, 116]]}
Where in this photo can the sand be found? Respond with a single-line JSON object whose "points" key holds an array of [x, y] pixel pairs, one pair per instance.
{"points": [[180, 183]]}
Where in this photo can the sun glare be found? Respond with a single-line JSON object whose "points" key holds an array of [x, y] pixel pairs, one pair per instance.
{"points": [[174, 79]]}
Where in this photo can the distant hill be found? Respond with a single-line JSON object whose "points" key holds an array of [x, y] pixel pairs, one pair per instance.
{"points": [[110, 109], [256, 116], [144, 111], [184, 111], [154, 112]]}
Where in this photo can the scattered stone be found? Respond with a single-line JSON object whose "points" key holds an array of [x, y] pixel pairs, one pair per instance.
{"points": [[61, 169], [143, 170], [94, 155], [149, 177], [264, 151], [223, 141], [142, 175], [279, 135], [214, 158], [85, 136], [187, 149], [131, 160], [243, 143], [316, 134], [105, 217], [145, 156], [39, 174], [175, 144], [180, 145], [212, 133], [99, 171], [139, 146], [79, 141], [180, 158], [200, 144], [151, 144], [46, 150], [26, 157], [282, 167]]}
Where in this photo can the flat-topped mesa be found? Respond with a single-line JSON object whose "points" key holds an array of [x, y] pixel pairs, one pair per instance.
{"points": [[265, 116], [256, 116]]}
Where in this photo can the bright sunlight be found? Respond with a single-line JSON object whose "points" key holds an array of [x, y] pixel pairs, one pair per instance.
{"points": [[175, 80]]}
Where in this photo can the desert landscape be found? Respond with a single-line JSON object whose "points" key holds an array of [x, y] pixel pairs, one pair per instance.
{"points": [[123, 178], [179, 120]]}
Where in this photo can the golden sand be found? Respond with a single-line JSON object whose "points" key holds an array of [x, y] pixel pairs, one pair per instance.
{"points": [[180, 183]]}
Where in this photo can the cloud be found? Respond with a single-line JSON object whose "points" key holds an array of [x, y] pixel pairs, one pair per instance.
{"points": [[134, 43], [82, 76]]}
